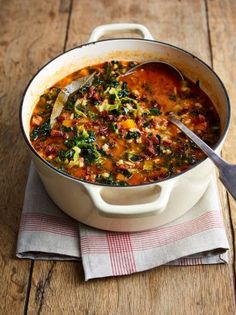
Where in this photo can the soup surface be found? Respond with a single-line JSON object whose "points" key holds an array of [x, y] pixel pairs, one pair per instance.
{"points": [[104, 127]]}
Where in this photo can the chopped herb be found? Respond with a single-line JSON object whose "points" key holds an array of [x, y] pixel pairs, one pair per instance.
{"points": [[69, 105], [65, 154], [114, 128], [133, 157], [133, 135], [91, 115], [91, 136], [67, 129], [147, 123], [155, 111], [41, 131], [89, 152], [52, 94], [126, 173], [110, 180]]}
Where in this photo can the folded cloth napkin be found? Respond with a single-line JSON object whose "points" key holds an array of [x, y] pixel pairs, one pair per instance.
{"points": [[198, 237]]}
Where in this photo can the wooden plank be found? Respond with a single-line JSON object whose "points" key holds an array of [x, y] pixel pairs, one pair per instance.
{"points": [[223, 41], [29, 36], [59, 288], [169, 21]]}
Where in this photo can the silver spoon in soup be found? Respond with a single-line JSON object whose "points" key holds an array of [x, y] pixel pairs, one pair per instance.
{"points": [[227, 171]]}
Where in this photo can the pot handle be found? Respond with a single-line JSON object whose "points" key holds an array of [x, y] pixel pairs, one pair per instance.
{"points": [[112, 210], [102, 30]]}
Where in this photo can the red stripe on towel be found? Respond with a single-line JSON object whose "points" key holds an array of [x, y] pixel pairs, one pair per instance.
{"points": [[41, 222], [121, 253], [140, 241]]}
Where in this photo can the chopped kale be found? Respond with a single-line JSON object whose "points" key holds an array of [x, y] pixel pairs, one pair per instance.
{"points": [[133, 135], [109, 180], [91, 114], [98, 80], [69, 105], [89, 152], [133, 157], [114, 128], [52, 94], [126, 173], [67, 129], [71, 142], [85, 137], [66, 154], [41, 131], [91, 136], [147, 123], [155, 111], [112, 82]]}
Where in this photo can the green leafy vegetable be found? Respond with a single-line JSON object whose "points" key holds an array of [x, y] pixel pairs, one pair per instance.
{"points": [[155, 111], [133, 157], [89, 152], [65, 154], [133, 135], [41, 131]]}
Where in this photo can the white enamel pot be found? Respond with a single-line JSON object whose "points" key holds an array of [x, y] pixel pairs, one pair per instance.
{"points": [[139, 207]]}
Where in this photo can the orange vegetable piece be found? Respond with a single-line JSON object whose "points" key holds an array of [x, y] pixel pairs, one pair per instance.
{"points": [[128, 124], [67, 123], [135, 179], [108, 165], [84, 72], [120, 177]]}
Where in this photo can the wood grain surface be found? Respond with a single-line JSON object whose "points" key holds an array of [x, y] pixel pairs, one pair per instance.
{"points": [[31, 33], [23, 49]]}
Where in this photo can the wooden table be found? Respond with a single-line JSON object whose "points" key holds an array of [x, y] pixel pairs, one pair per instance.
{"points": [[31, 33]]}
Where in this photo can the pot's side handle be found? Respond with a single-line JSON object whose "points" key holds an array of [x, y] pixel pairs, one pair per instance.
{"points": [[102, 30], [134, 210]]}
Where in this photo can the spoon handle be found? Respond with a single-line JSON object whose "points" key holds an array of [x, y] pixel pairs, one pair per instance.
{"points": [[219, 162], [227, 171]]}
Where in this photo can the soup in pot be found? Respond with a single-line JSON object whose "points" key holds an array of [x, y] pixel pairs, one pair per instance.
{"points": [[101, 126]]}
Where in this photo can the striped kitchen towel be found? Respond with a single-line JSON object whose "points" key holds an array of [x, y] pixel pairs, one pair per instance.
{"points": [[198, 237]]}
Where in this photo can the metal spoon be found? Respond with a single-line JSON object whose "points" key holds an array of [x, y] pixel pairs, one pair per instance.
{"points": [[227, 171], [154, 64]]}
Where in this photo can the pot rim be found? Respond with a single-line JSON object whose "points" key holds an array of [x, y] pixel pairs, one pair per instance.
{"points": [[68, 176]]}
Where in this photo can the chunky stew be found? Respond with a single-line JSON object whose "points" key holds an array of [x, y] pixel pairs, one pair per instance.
{"points": [[102, 126]]}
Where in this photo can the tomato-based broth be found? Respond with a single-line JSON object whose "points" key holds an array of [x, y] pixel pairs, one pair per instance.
{"points": [[104, 127]]}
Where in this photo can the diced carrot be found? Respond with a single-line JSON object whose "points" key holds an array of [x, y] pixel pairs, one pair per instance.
{"points": [[84, 72], [135, 179], [107, 164], [120, 177], [67, 123], [78, 172], [128, 124], [118, 150]]}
